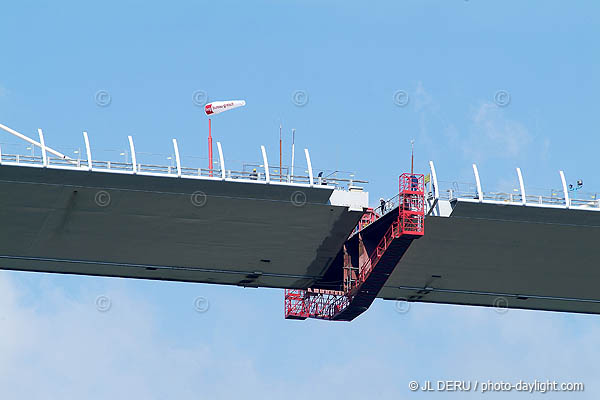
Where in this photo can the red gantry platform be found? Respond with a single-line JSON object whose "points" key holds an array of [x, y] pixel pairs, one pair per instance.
{"points": [[365, 276]]}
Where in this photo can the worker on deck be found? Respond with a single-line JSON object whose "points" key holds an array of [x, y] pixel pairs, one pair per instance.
{"points": [[382, 205], [254, 174], [322, 181]]}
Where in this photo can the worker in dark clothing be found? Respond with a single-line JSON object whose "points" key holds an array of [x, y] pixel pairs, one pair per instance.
{"points": [[322, 180], [382, 205], [254, 174], [414, 183]]}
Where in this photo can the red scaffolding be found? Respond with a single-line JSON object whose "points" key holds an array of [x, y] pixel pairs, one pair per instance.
{"points": [[346, 305]]}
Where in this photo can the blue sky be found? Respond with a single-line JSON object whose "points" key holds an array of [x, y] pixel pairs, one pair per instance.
{"points": [[451, 58]]}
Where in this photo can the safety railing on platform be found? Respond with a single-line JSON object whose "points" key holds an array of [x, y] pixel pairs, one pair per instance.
{"points": [[410, 221], [387, 206], [367, 267], [301, 304], [171, 170], [339, 179], [454, 190], [554, 197], [371, 215]]}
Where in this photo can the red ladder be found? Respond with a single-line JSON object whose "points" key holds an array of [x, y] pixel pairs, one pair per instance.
{"points": [[346, 305]]}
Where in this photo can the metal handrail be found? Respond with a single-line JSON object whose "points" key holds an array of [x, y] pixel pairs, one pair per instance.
{"points": [[369, 263], [517, 198], [124, 166]]}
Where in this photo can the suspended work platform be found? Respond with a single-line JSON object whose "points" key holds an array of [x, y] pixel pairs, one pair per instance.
{"points": [[364, 279]]}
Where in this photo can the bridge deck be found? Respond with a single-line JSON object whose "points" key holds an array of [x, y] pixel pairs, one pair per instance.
{"points": [[124, 225], [254, 235], [515, 256]]}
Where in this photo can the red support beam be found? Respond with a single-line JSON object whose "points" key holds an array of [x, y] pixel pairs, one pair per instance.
{"points": [[333, 305]]}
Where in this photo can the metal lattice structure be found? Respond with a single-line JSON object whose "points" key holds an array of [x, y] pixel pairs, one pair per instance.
{"points": [[412, 204], [359, 293]]}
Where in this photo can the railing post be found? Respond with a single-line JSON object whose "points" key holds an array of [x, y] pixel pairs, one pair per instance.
{"points": [[565, 190], [265, 163], [177, 159], [436, 193], [522, 186], [309, 165], [43, 146], [478, 182], [222, 160], [88, 150], [0, 155], [133, 159]]}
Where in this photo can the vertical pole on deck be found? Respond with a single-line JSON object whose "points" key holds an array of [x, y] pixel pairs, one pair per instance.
{"points": [[133, 158], [412, 156], [210, 157], [280, 164], [565, 190], [88, 150], [522, 186], [43, 146], [478, 183], [265, 164], [436, 193], [293, 151], [221, 160], [309, 165], [177, 159]]}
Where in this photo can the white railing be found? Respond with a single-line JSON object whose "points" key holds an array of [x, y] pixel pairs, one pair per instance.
{"points": [[455, 190], [262, 173], [472, 191], [255, 174]]}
